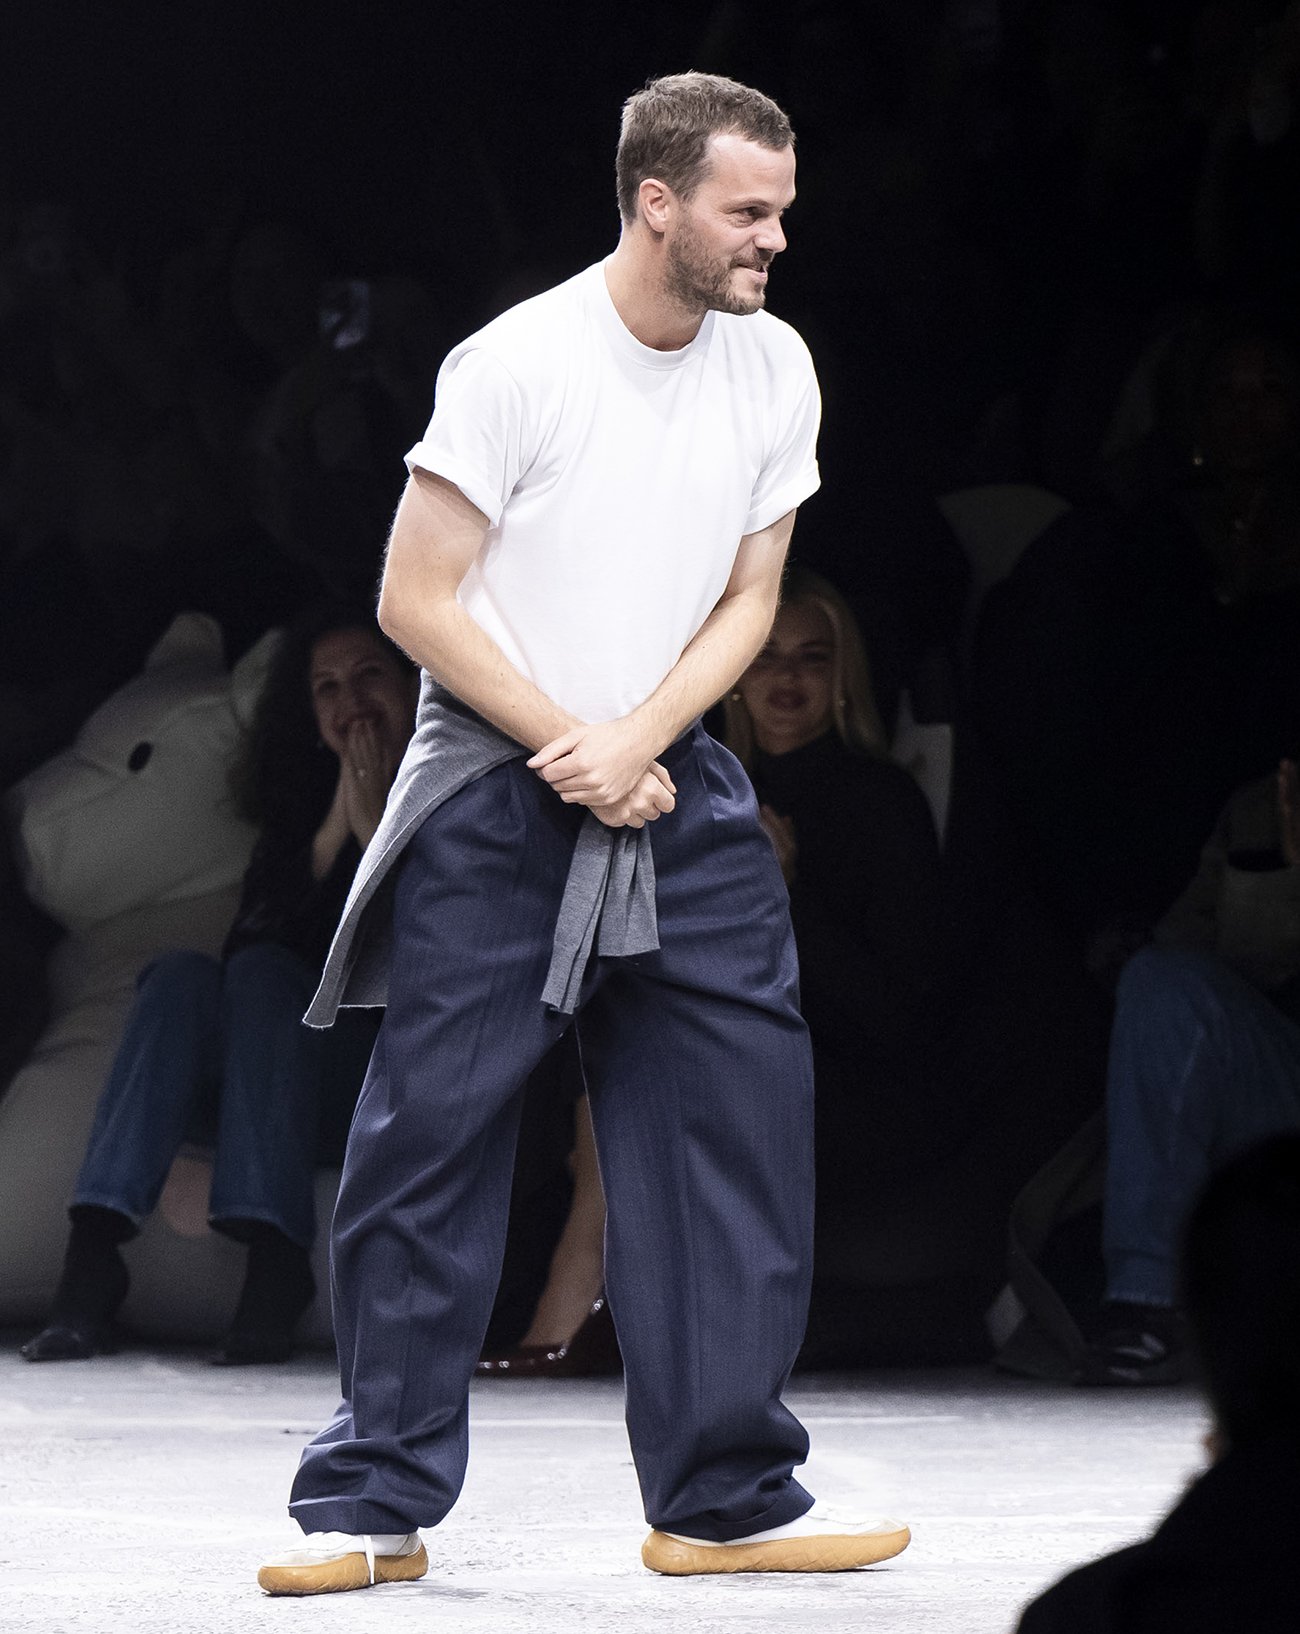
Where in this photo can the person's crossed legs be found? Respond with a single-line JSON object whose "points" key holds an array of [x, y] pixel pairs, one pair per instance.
{"points": [[1202, 1065]]}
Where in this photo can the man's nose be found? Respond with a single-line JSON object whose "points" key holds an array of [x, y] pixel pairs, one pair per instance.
{"points": [[770, 237]]}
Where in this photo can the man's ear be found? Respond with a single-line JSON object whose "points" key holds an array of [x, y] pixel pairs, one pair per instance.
{"points": [[657, 202]]}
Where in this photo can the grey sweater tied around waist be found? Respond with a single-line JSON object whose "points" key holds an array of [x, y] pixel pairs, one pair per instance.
{"points": [[609, 896]]}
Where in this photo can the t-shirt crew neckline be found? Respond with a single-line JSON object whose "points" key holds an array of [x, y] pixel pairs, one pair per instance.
{"points": [[626, 342]]}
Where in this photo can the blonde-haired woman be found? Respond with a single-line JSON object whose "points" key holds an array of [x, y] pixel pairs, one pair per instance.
{"points": [[813, 616], [857, 846]]}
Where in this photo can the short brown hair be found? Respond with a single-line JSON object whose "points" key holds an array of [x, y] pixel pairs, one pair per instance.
{"points": [[667, 126]]}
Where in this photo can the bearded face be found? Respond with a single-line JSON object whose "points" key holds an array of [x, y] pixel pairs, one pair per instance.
{"points": [[704, 273]]}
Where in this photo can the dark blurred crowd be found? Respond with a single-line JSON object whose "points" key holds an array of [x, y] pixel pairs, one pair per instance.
{"points": [[1038, 247], [222, 438], [1015, 224]]}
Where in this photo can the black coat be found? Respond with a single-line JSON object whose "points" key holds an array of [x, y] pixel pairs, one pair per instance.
{"points": [[866, 904], [1223, 1562]]}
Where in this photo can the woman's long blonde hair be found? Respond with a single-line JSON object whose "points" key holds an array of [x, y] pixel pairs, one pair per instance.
{"points": [[854, 715]]}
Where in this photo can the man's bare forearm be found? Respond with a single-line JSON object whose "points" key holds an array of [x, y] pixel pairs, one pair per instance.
{"points": [[443, 639], [597, 765], [594, 763], [721, 650], [436, 534], [725, 644], [447, 642]]}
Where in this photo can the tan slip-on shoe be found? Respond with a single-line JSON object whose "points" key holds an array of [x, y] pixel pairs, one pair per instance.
{"points": [[334, 1561], [839, 1548]]}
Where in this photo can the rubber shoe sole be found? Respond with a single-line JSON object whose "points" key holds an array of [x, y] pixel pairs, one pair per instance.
{"points": [[824, 1552], [344, 1572]]}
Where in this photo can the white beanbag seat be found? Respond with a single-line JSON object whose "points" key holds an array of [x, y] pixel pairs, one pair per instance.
{"points": [[130, 840]]}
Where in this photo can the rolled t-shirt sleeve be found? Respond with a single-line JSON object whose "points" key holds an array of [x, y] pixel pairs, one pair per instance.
{"points": [[789, 473], [475, 438]]}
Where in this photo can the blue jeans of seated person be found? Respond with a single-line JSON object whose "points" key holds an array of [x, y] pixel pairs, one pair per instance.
{"points": [[219, 1053], [1202, 1065]]}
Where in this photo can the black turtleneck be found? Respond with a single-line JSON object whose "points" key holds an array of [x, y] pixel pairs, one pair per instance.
{"points": [[865, 900]]}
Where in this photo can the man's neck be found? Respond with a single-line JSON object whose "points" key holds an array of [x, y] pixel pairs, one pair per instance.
{"points": [[636, 287]]}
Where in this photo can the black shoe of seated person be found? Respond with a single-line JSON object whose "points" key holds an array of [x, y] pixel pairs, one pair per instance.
{"points": [[1137, 1345], [278, 1288], [91, 1288]]}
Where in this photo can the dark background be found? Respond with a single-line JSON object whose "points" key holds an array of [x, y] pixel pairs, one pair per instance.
{"points": [[952, 222], [1021, 225], [1003, 205]]}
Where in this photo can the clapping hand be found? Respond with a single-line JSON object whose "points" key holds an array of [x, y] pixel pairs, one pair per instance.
{"points": [[365, 776]]}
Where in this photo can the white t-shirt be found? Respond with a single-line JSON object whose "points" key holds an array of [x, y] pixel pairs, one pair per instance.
{"points": [[618, 480]]}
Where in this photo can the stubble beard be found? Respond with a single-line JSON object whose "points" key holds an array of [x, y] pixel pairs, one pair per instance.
{"points": [[699, 282]]}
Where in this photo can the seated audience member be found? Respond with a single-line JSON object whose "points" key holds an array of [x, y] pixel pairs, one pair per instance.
{"points": [[1137, 666], [1205, 1060], [216, 1051], [857, 845], [1224, 1558]]}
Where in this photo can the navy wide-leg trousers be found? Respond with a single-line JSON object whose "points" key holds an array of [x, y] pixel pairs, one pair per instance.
{"points": [[700, 1080]]}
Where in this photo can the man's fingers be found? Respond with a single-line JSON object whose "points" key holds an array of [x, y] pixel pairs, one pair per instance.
{"points": [[634, 812], [556, 748], [560, 774], [587, 786], [566, 774], [653, 796], [652, 799], [620, 817]]}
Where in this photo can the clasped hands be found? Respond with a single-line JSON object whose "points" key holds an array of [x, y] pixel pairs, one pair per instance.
{"points": [[610, 769]]}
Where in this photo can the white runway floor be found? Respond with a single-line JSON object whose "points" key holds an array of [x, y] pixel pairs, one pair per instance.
{"points": [[138, 1494]]}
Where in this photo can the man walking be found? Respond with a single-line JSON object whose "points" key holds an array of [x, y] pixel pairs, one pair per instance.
{"points": [[587, 555]]}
